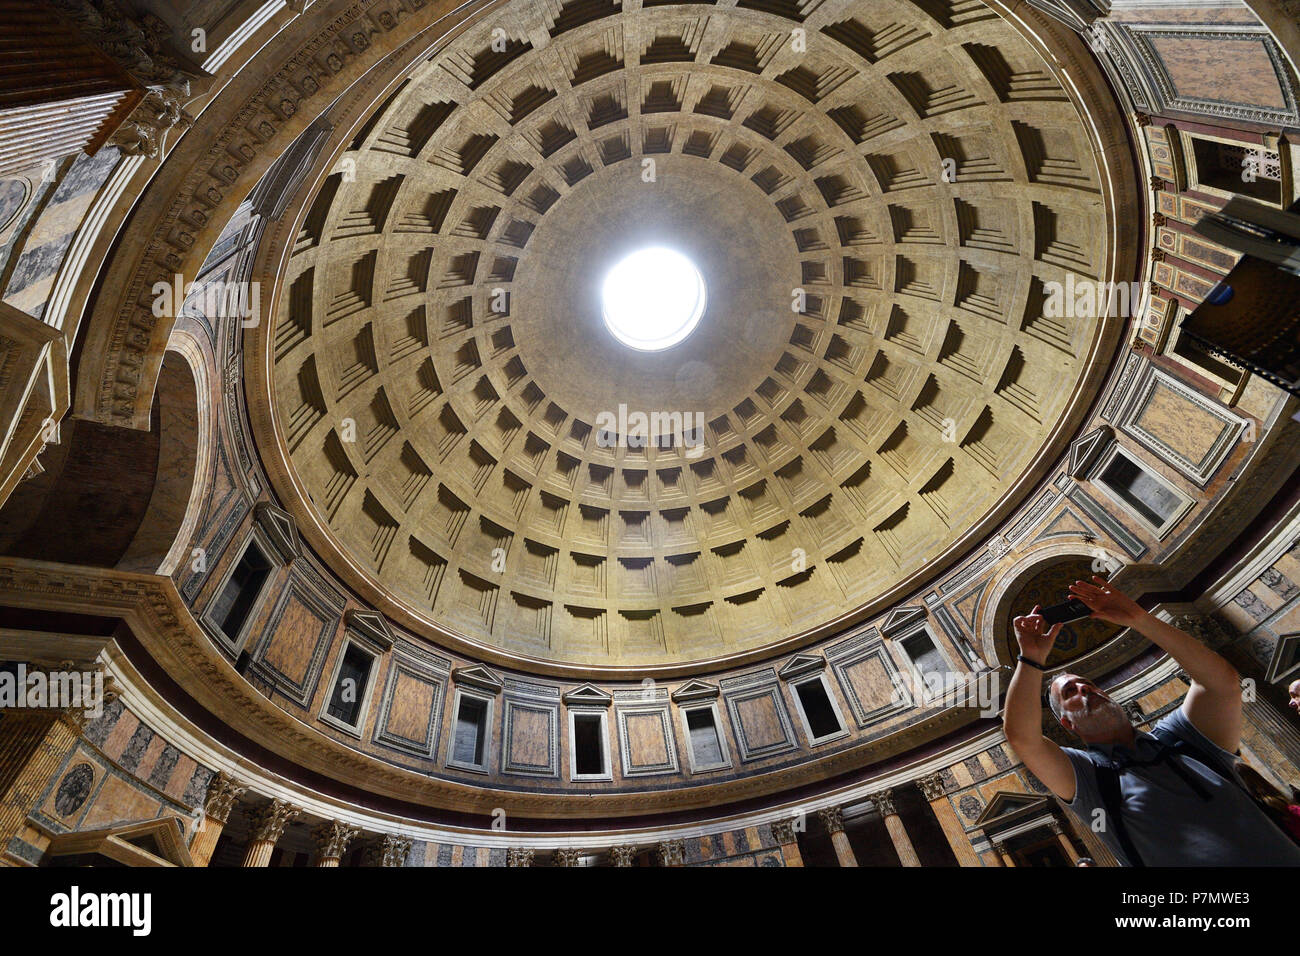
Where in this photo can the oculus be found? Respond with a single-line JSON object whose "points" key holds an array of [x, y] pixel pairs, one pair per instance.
{"points": [[652, 299]]}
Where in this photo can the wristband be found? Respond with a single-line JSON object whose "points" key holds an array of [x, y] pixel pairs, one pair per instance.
{"points": [[1025, 660]]}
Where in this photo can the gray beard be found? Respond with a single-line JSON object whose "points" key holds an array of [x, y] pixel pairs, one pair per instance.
{"points": [[1100, 718]]}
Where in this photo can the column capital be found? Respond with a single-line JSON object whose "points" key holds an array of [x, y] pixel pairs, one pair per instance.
{"points": [[223, 791], [269, 821], [519, 856], [332, 838], [783, 832], [671, 852], [884, 801], [622, 855], [393, 850], [833, 817], [1055, 826], [932, 787], [568, 856]]}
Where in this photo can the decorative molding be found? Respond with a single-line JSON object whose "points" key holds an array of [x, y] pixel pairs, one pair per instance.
{"points": [[280, 530], [587, 695], [1121, 535], [863, 715], [476, 675], [1198, 471], [695, 690], [371, 626], [551, 766], [630, 767], [404, 666], [1167, 95], [801, 664], [901, 617], [1085, 450], [750, 750]]}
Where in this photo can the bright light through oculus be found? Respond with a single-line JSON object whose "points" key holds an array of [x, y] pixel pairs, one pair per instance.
{"points": [[653, 299]]}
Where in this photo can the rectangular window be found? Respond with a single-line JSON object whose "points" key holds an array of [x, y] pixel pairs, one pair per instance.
{"points": [[232, 606], [1148, 496], [818, 710], [706, 744], [350, 686], [468, 744], [588, 745], [927, 658]]}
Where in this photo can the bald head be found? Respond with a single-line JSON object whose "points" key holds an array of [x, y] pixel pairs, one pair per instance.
{"points": [[1294, 691], [1085, 709]]}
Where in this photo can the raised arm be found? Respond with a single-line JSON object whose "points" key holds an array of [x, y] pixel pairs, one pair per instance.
{"points": [[1022, 718], [1213, 702]]}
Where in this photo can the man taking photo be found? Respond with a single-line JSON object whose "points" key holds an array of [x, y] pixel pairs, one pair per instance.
{"points": [[1165, 798]]}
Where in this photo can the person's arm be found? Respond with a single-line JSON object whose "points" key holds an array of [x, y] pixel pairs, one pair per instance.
{"points": [[1022, 717], [1213, 702]]}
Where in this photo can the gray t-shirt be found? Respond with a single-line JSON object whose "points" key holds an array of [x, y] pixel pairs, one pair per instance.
{"points": [[1168, 822]]}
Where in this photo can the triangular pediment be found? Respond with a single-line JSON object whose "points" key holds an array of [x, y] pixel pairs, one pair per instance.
{"points": [[1285, 663], [588, 694], [158, 842], [476, 675], [1008, 804], [1085, 450], [901, 617], [801, 664], [694, 690], [370, 625], [279, 528]]}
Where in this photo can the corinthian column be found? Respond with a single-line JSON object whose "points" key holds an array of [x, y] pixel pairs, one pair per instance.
{"points": [[332, 841], [519, 856], [223, 791], [32, 745], [833, 817], [268, 827], [671, 853], [932, 788], [568, 856], [622, 855], [394, 850], [783, 834], [884, 801], [1068, 846]]}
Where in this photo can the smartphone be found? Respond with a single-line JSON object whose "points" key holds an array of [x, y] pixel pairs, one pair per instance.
{"points": [[1071, 610]]}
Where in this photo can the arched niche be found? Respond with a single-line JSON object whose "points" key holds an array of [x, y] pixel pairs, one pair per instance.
{"points": [[184, 406], [1043, 577]]}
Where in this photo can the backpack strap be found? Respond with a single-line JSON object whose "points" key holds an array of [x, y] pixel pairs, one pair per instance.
{"points": [[1184, 747], [1113, 800]]}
